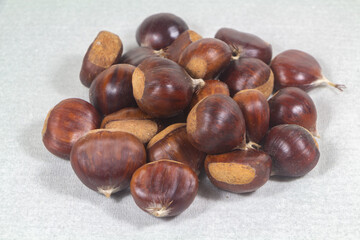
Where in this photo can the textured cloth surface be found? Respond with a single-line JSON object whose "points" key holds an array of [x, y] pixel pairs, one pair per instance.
{"points": [[41, 48]]}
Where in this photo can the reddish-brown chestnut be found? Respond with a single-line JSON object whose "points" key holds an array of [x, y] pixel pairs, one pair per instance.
{"points": [[216, 125], [294, 68], [256, 112], [66, 123], [136, 55], [293, 150], [239, 171], [104, 160], [292, 105], [103, 52], [164, 188]]}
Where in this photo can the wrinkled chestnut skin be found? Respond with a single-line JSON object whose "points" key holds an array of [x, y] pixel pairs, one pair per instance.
{"points": [[254, 172], [248, 44], [161, 87], [105, 160], [293, 150], [136, 55], [216, 125], [173, 144], [66, 123], [205, 58], [160, 30], [247, 73], [256, 112], [293, 106], [112, 90], [164, 188]]}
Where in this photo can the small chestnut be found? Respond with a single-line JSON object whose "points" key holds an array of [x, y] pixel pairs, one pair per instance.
{"points": [[66, 123], [104, 160], [293, 150], [164, 188]]}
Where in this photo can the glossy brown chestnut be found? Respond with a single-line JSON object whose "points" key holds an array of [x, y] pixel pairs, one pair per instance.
{"points": [[103, 52], [164, 188], [256, 112], [66, 123], [248, 73], [160, 30], [205, 58], [239, 171], [216, 125], [292, 105], [104, 160], [162, 88], [172, 143], [112, 90], [294, 68], [136, 55], [293, 150], [248, 45]]}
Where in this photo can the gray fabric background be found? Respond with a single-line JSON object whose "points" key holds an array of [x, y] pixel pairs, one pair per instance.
{"points": [[41, 48]]}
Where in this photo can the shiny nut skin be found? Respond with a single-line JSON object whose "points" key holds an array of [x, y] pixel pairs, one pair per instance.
{"points": [[104, 160], [136, 55], [164, 188], [293, 150], [112, 90], [66, 123], [239, 171]]}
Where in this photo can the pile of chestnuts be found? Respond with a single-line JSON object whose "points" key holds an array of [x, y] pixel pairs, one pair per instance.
{"points": [[179, 105]]}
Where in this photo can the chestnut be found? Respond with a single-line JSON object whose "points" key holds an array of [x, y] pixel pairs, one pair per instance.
{"points": [[239, 171], [66, 123], [295, 68], [104, 160], [164, 188], [136, 55], [256, 112], [160, 30], [112, 90], [248, 73], [293, 150], [103, 52], [172, 143], [292, 105], [247, 44], [162, 88], [205, 58], [216, 125]]}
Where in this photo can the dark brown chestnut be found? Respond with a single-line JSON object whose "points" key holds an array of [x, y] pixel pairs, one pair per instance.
{"points": [[160, 30], [162, 88], [293, 150], [239, 171], [256, 112], [248, 73], [164, 188], [66, 123], [172, 143], [112, 90], [136, 55], [205, 58], [294, 68], [104, 160], [216, 125], [246, 44], [292, 105], [103, 52]]}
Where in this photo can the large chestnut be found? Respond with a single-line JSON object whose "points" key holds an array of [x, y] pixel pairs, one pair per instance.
{"points": [[294, 68], [164, 188], [246, 44], [104, 160], [239, 171], [160, 30], [112, 90], [293, 150], [216, 125], [66, 123], [292, 105]]}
